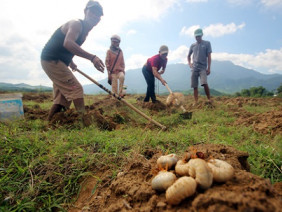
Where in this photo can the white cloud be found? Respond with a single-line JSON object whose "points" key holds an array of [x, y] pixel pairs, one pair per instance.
{"points": [[214, 30], [272, 3], [131, 32], [270, 60], [267, 62], [189, 31], [266, 4], [179, 55], [240, 2], [24, 32], [196, 1], [135, 61], [218, 30]]}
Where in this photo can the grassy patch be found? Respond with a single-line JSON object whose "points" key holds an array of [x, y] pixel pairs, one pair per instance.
{"points": [[41, 168]]}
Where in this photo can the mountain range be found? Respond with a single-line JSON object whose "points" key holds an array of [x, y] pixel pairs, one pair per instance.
{"points": [[23, 87], [225, 77]]}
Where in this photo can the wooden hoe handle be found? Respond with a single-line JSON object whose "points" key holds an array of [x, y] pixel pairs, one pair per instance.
{"points": [[120, 99]]}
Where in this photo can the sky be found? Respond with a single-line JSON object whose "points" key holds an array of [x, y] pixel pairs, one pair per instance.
{"points": [[245, 32]]}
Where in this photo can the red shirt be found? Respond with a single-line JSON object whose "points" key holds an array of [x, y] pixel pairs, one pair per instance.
{"points": [[156, 61]]}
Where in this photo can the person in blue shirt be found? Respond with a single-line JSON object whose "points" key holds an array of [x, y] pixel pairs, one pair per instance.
{"points": [[201, 65]]}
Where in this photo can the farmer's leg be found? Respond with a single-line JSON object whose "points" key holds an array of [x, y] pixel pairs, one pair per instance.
{"points": [[60, 103], [121, 82], [152, 89], [54, 109], [114, 83], [204, 83], [80, 107], [146, 76], [207, 91], [53, 70], [66, 86], [150, 79], [196, 95], [194, 83]]}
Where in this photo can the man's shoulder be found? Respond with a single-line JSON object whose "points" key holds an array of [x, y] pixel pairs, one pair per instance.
{"points": [[74, 24], [206, 42]]}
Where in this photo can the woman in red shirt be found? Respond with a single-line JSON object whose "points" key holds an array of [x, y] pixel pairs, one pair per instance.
{"points": [[151, 70]]}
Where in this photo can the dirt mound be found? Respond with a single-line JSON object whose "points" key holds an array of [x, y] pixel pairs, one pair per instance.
{"points": [[240, 101], [37, 97], [268, 122], [35, 112], [71, 118], [131, 189], [157, 106]]}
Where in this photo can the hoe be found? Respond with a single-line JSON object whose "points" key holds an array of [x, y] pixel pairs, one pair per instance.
{"points": [[122, 100], [185, 114]]}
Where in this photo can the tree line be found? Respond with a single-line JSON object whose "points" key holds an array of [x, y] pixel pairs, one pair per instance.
{"points": [[259, 92]]}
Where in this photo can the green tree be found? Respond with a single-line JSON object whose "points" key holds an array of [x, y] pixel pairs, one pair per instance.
{"points": [[257, 91], [245, 92], [279, 89], [237, 94]]}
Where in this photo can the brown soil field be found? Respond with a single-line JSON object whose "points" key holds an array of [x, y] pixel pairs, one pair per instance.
{"points": [[266, 122], [131, 190]]}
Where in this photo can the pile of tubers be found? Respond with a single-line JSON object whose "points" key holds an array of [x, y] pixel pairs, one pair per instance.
{"points": [[192, 173]]}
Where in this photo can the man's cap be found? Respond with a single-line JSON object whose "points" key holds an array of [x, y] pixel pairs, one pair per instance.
{"points": [[198, 32], [163, 49], [95, 6], [115, 37]]}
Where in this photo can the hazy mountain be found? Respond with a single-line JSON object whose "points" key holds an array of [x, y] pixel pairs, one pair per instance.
{"points": [[225, 77], [23, 87]]}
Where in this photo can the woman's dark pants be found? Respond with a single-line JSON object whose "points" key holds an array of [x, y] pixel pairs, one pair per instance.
{"points": [[150, 80]]}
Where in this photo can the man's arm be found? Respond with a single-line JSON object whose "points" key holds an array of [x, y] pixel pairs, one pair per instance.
{"points": [[189, 58], [73, 66], [72, 31], [157, 75], [189, 61], [209, 64]]}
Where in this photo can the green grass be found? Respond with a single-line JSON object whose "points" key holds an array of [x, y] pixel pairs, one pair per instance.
{"points": [[41, 168]]}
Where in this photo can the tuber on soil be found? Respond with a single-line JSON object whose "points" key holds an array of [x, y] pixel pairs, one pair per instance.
{"points": [[182, 188], [167, 161], [199, 169], [163, 180], [222, 171]]}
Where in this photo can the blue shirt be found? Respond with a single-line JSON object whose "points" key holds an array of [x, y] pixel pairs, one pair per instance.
{"points": [[200, 53]]}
